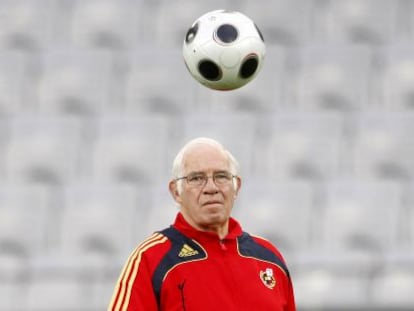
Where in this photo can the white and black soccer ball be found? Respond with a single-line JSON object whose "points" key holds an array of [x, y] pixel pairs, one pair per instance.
{"points": [[224, 50]]}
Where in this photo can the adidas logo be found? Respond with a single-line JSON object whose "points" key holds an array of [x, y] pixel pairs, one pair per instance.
{"points": [[187, 251]]}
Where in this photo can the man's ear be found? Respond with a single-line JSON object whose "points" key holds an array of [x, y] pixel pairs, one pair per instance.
{"points": [[237, 185], [174, 191]]}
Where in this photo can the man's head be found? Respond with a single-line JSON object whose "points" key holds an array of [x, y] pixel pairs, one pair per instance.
{"points": [[205, 183]]}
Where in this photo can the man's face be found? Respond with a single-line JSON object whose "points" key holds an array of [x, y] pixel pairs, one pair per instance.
{"points": [[207, 206]]}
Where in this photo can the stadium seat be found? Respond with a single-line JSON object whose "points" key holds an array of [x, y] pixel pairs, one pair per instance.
{"points": [[395, 83], [58, 292], [157, 82], [409, 216], [102, 292], [27, 25], [130, 149], [96, 224], [13, 297], [4, 140], [279, 212], [302, 146], [330, 287], [333, 77], [281, 22], [370, 22], [360, 220], [76, 82], [381, 148], [24, 228], [391, 288], [105, 24], [43, 149], [15, 83]]}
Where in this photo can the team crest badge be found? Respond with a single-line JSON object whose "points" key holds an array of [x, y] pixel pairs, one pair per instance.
{"points": [[267, 278]]}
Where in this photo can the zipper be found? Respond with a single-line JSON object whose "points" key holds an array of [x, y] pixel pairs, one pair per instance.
{"points": [[181, 289], [223, 245]]}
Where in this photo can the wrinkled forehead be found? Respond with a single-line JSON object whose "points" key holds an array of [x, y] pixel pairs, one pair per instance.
{"points": [[205, 158]]}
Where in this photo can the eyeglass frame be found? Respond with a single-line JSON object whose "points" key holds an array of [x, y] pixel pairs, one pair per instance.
{"points": [[206, 177]]}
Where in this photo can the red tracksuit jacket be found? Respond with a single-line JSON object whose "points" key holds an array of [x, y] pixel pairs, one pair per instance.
{"points": [[183, 269]]}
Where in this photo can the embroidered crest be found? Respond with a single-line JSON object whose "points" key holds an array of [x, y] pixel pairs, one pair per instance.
{"points": [[267, 278]]}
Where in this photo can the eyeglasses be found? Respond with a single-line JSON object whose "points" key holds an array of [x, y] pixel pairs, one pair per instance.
{"points": [[200, 179]]}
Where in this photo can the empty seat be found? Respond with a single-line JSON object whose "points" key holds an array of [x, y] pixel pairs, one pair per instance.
{"points": [[395, 83], [43, 149], [4, 140], [302, 146], [334, 77], [58, 292], [355, 21], [391, 288], [103, 291], [330, 287], [76, 82], [280, 212], [24, 228], [96, 224], [13, 295], [281, 22], [105, 24], [130, 149], [382, 147], [158, 82], [27, 25], [410, 211], [15, 83], [360, 219]]}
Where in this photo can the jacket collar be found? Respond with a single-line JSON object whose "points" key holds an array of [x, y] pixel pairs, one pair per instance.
{"points": [[184, 227]]}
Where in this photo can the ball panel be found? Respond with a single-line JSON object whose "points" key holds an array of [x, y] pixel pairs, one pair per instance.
{"points": [[230, 58], [249, 67], [209, 70], [191, 33], [227, 33]]}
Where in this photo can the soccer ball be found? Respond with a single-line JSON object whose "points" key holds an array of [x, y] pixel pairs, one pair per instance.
{"points": [[224, 50]]}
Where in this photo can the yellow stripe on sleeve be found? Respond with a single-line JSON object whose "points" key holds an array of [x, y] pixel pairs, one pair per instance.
{"points": [[122, 292]]}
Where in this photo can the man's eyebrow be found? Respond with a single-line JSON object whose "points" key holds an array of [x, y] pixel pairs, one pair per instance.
{"points": [[196, 173], [204, 173]]}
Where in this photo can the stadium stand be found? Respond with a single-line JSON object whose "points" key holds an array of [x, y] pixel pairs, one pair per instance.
{"points": [[95, 101]]}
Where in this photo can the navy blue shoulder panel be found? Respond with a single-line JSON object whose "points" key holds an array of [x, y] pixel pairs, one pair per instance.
{"points": [[173, 257], [250, 248]]}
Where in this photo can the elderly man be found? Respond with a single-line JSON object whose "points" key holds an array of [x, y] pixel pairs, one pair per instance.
{"points": [[204, 261]]}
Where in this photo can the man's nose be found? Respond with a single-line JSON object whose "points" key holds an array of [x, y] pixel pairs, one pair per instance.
{"points": [[210, 185]]}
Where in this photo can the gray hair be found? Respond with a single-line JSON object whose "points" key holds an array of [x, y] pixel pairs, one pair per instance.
{"points": [[178, 164]]}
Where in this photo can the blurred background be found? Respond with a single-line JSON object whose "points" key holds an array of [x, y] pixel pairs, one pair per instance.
{"points": [[95, 101]]}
